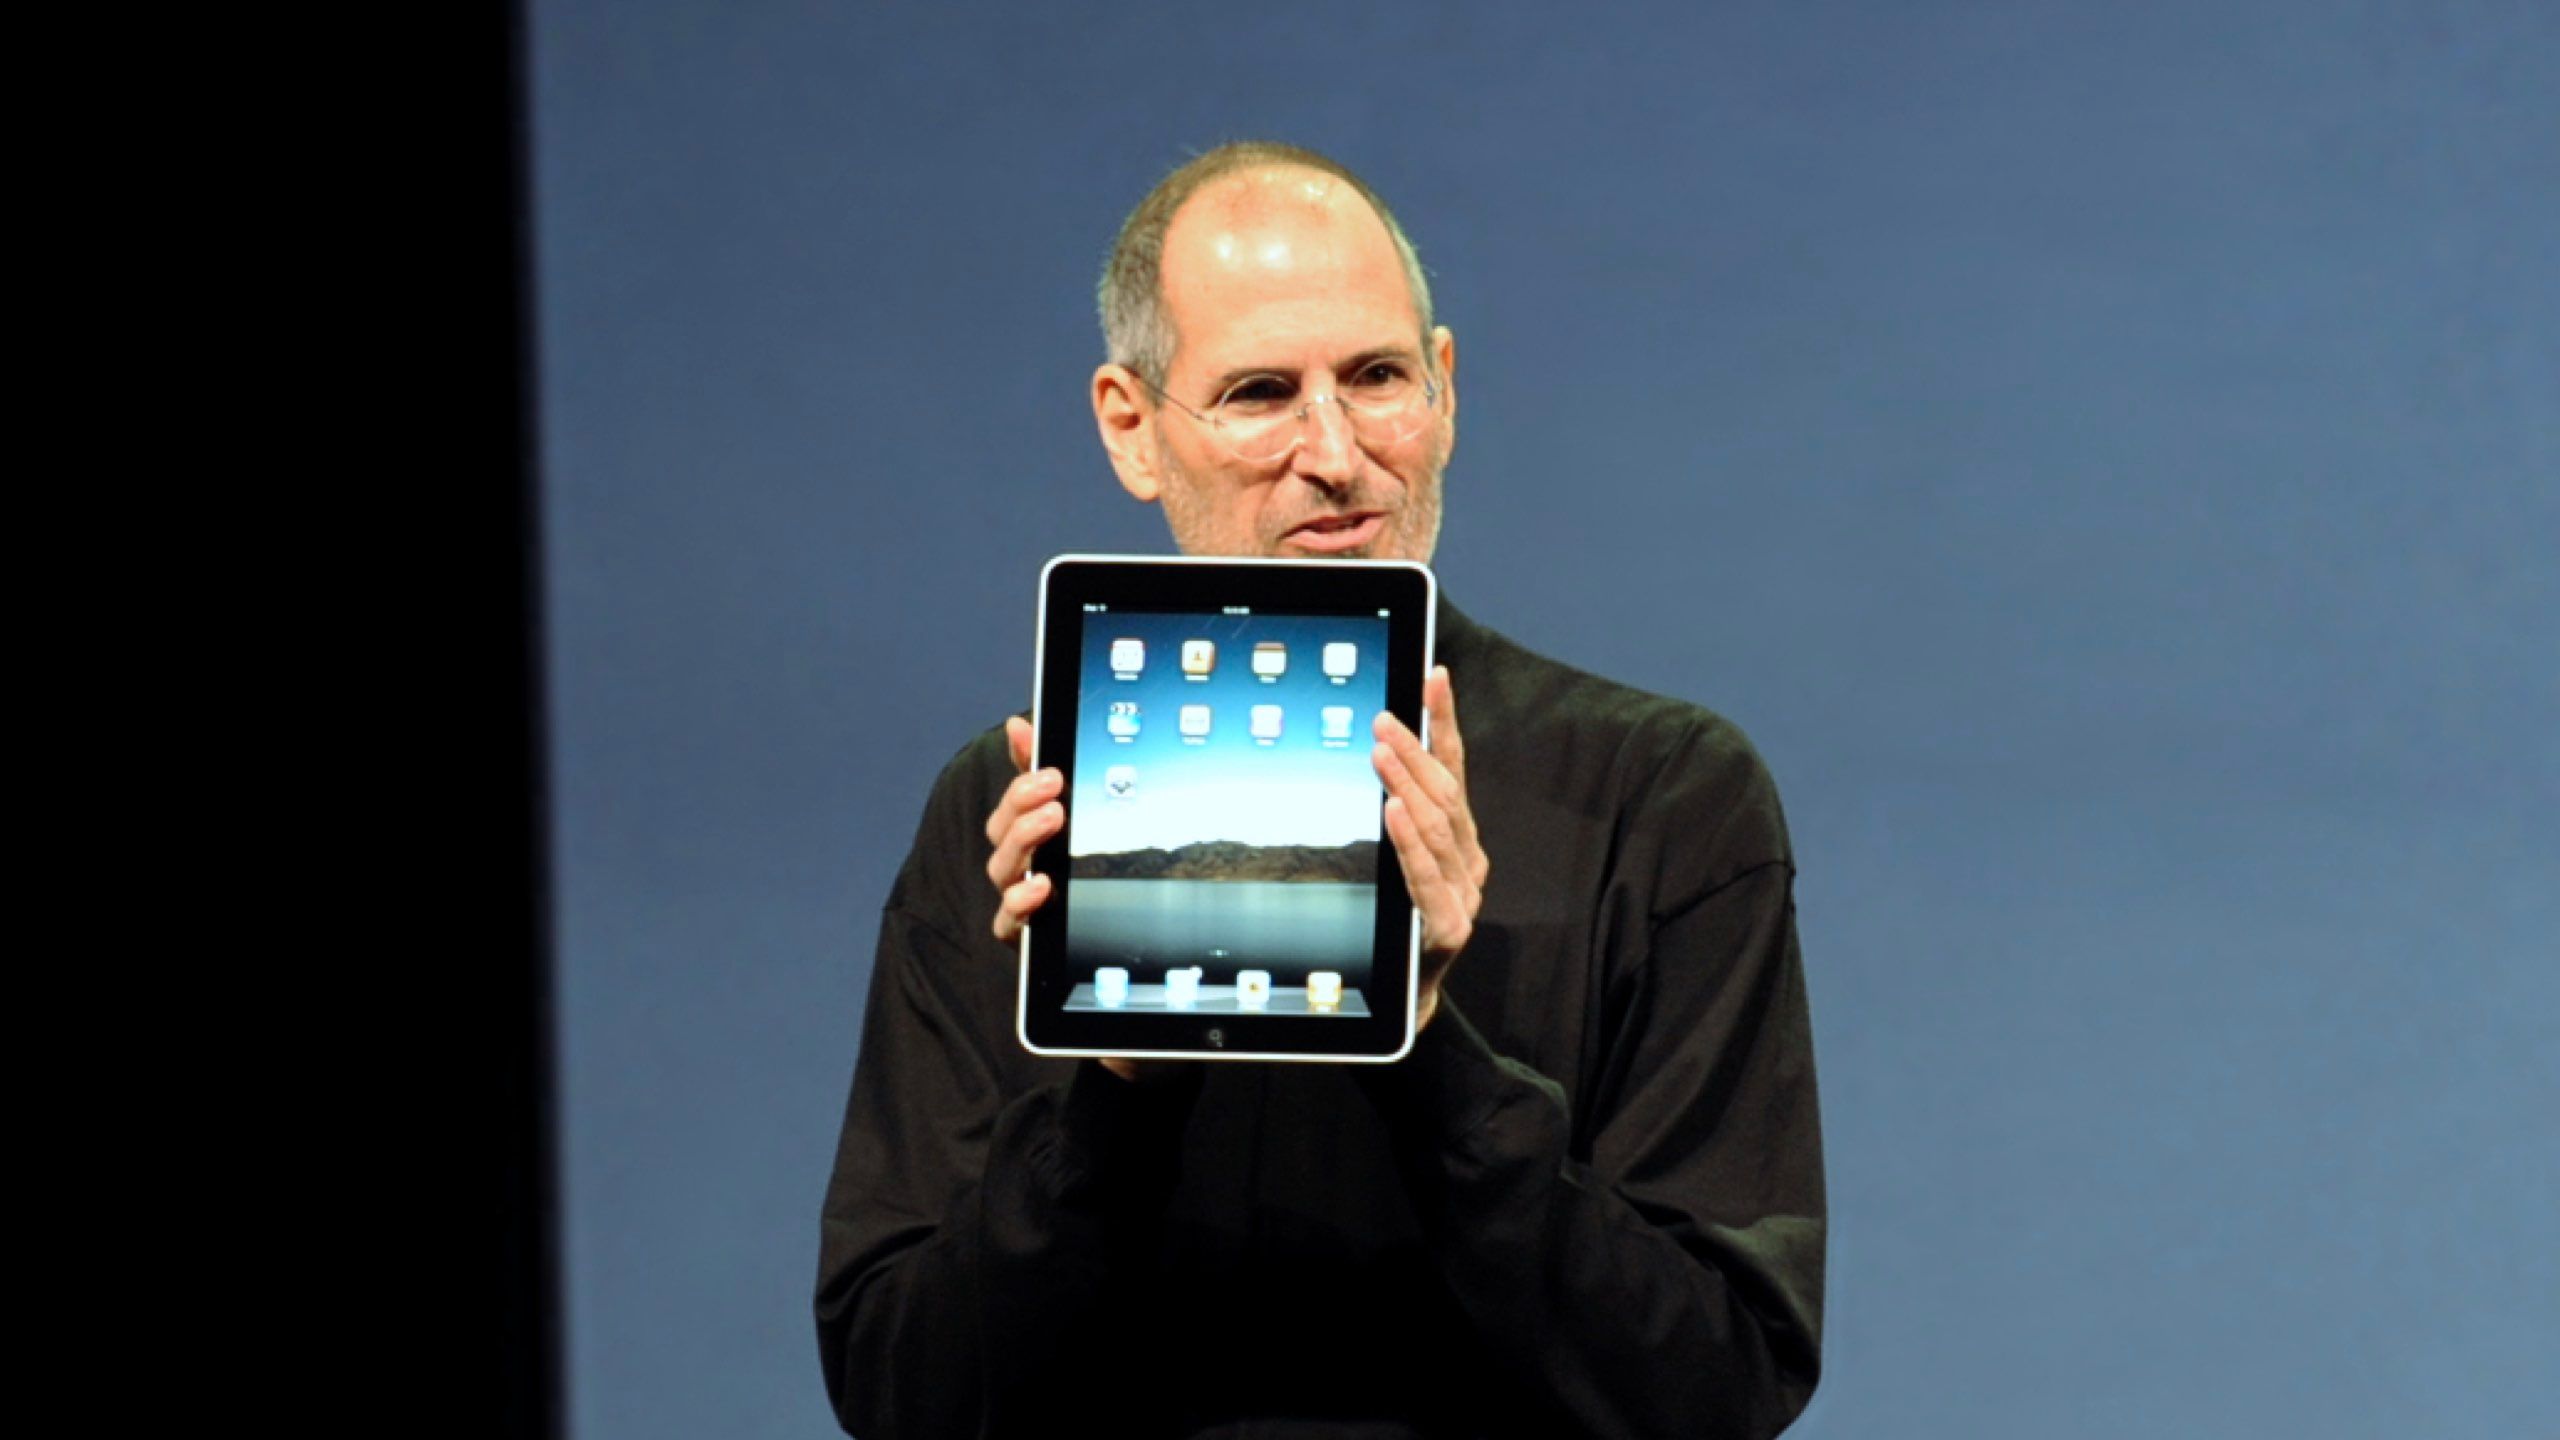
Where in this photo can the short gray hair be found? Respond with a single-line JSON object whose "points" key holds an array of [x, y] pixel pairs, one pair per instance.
{"points": [[1136, 332]]}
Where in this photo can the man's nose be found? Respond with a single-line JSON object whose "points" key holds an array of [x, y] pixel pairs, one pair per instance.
{"points": [[1328, 449]]}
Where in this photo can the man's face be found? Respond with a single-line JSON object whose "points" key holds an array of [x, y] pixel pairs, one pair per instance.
{"points": [[1285, 279]]}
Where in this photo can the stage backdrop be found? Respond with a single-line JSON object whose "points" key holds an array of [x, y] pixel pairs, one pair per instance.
{"points": [[2108, 457]]}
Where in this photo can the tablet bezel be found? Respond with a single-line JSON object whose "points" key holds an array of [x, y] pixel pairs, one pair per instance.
{"points": [[1068, 584]]}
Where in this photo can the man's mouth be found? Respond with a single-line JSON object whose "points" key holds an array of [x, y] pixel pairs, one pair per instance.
{"points": [[1332, 533]]}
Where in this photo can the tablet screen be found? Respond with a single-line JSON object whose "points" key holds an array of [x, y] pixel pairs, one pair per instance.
{"points": [[1226, 883], [1227, 813]]}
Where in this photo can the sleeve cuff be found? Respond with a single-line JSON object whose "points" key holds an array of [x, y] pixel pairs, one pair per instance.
{"points": [[1452, 1083]]}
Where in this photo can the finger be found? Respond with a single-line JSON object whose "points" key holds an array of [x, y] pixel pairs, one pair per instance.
{"points": [[1020, 899], [1447, 920], [1440, 698], [1029, 828], [1424, 800], [1013, 849], [1017, 738], [1438, 786], [1024, 792], [1405, 773], [1450, 749], [1448, 754], [1445, 838], [1442, 815]]}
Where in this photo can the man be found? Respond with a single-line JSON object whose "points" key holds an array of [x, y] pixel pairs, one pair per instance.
{"points": [[1589, 1202]]}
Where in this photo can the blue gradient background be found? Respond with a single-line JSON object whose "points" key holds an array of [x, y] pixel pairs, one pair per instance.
{"points": [[2107, 456]]}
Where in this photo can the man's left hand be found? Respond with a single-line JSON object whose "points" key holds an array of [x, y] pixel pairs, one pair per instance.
{"points": [[1434, 832]]}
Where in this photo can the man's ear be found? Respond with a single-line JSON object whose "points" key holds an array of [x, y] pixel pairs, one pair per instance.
{"points": [[1127, 423], [1444, 350]]}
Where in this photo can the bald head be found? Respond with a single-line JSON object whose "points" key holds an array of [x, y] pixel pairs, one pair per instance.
{"points": [[1266, 237], [1228, 206]]}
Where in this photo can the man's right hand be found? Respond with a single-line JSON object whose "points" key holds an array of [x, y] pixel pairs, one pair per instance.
{"points": [[1031, 811]]}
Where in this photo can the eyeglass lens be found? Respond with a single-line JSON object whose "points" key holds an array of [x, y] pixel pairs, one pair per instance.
{"points": [[1375, 424]]}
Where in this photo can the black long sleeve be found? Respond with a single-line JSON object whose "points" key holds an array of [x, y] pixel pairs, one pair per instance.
{"points": [[1662, 1277], [982, 1202], [1589, 1202]]}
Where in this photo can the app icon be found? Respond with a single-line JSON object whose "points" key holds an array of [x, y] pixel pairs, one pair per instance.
{"points": [[1266, 722], [1253, 988], [1199, 657], [1124, 718], [1337, 721], [1120, 781], [1128, 657], [1111, 986], [1195, 720], [1270, 659], [1324, 990], [1182, 987], [1341, 659]]}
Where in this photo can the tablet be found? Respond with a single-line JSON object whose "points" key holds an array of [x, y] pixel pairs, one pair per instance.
{"points": [[1224, 887]]}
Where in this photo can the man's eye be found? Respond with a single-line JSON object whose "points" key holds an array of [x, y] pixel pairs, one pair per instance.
{"points": [[1380, 375], [1260, 393]]}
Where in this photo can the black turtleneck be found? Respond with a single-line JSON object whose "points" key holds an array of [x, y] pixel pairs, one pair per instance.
{"points": [[1589, 1202]]}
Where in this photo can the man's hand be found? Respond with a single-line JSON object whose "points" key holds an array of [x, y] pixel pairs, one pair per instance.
{"points": [[1435, 833], [1030, 812]]}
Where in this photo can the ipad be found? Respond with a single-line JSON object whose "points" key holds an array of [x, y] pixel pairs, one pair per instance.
{"points": [[1224, 887]]}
